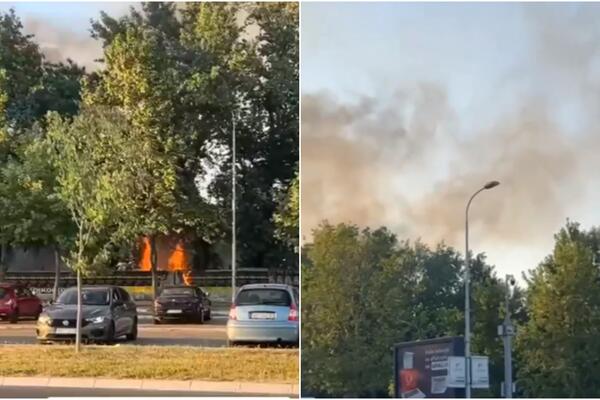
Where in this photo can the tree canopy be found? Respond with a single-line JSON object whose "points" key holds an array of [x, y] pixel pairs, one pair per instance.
{"points": [[176, 78]]}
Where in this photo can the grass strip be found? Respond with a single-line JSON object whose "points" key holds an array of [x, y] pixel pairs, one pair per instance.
{"points": [[151, 362]]}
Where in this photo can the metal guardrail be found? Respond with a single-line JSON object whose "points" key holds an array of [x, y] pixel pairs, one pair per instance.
{"points": [[143, 278]]}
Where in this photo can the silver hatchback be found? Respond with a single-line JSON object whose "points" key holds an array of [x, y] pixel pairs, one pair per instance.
{"points": [[264, 313]]}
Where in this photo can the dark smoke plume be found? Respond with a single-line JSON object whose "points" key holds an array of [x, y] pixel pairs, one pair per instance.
{"points": [[404, 163]]}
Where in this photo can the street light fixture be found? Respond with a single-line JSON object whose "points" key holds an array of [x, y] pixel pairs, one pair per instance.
{"points": [[489, 185]]}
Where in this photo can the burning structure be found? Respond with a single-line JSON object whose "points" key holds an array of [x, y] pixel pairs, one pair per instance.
{"points": [[173, 257]]}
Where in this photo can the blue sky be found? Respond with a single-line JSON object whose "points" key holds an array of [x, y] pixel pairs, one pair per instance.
{"points": [[519, 84]]}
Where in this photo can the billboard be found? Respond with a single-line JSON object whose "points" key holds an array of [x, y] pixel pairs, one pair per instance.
{"points": [[429, 368]]}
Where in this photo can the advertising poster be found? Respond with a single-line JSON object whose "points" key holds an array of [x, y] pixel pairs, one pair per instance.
{"points": [[422, 368]]}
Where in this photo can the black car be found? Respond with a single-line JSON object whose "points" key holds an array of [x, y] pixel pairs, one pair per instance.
{"points": [[182, 303], [108, 313]]}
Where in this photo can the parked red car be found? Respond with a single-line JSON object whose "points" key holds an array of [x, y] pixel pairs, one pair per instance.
{"points": [[17, 301]]}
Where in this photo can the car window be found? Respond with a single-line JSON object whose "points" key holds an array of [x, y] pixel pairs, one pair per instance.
{"points": [[115, 296], [4, 292], [22, 292], [124, 295], [178, 291], [91, 297], [273, 297]]}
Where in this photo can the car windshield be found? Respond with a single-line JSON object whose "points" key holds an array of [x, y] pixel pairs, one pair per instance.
{"points": [[90, 297], [183, 291], [273, 297]]}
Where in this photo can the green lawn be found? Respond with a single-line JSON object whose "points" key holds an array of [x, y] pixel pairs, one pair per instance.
{"points": [[150, 362]]}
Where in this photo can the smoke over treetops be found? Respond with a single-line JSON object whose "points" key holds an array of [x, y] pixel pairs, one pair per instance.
{"points": [[59, 44], [404, 162]]}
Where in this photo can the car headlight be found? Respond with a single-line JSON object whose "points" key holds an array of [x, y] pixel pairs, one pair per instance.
{"points": [[44, 319], [96, 320]]}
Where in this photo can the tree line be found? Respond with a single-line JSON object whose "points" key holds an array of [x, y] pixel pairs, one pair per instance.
{"points": [[90, 162], [365, 290]]}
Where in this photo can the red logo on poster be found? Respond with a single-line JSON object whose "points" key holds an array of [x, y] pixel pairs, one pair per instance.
{"points": [[409, 379]]}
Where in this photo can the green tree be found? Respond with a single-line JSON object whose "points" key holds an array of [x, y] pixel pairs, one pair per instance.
{"points": [[342, 322], [29, 88], [287, 217], [265, 74], [557, 347], [21, 64], [364, 291], [147, 75], [31, 211], [90, 155]]}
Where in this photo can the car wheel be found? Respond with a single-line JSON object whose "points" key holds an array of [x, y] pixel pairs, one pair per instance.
{"points": [[134, 331], [230, 343], [201, 317], [14, 317], [37, 314], [208, 316], [157, 321]]}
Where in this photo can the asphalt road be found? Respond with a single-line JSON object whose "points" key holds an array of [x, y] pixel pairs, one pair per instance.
{"points": [[42, 392], [210, 334]]}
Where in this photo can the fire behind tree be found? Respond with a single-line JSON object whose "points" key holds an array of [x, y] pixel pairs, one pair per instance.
{"points": [[172, 256]]}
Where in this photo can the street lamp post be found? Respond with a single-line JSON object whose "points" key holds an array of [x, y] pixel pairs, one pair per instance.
{"points": [[507, 331], [487, 186], [233, 193]]}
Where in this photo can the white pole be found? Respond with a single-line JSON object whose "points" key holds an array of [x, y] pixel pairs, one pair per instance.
{"points": [[467, 308], [233, 230], [507, 344], [488, 185]]}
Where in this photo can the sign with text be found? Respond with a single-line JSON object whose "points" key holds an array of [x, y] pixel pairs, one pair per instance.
{"points": [[480, 372], [422, 368], [456, 372]]}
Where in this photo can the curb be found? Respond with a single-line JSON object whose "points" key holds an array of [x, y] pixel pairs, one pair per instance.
{"points": [[282, 389]]}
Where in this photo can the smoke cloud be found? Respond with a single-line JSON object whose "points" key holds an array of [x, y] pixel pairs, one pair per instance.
{"points": [[404, 162], [59, 44]]}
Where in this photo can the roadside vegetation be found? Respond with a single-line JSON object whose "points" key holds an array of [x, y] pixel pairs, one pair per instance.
{"points": [[151, 362], [365, 290], [92, 162]]}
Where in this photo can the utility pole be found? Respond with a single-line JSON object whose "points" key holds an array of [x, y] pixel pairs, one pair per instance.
{"points": [[487, 186], [507, 331], [233, 192]]}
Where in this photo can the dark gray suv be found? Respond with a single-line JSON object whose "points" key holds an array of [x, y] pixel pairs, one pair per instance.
{"points": [[108, 313]]}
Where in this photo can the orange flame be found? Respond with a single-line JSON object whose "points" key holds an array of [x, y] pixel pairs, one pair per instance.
{"points": [[145, 263], [177, 259], [188, 280]]}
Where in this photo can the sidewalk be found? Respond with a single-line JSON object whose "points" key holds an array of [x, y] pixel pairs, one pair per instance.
{"points": [[281, 389]]}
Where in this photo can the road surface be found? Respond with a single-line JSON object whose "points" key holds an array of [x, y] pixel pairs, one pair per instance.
{"points": [[210, 334], [38, 392]]}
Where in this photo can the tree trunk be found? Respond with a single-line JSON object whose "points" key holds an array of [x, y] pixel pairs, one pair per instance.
{"points": [[3, 266], [153, 266], [78, 323], [56, 274]]}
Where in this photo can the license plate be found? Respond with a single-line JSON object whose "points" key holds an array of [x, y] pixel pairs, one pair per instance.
{"points": [[65, 331], [262, 315], [174, 311]]}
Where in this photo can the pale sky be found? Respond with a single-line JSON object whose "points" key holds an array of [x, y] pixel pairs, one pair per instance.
{"points": [[62, 28], [519, 89]]}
